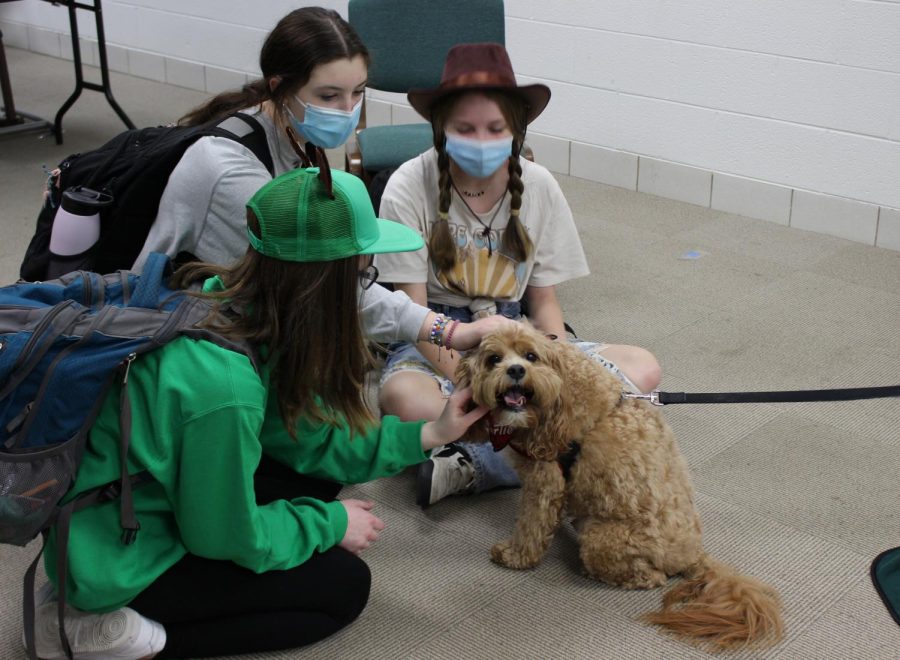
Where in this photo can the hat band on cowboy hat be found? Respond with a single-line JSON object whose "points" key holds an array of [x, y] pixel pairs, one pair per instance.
{"points": [[480, 79], [480, 66]]}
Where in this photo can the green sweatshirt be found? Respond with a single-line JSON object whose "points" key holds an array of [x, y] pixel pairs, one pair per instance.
{"points": [[202, 417]]}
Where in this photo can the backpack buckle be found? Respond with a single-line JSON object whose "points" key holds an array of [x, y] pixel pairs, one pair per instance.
{"points": [[110, 491], [129, 534]]}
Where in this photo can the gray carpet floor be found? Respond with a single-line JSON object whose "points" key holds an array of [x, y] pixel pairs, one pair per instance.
{"points": [[803, 496]]}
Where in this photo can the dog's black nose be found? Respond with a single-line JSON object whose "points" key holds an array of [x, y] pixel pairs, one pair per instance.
{"points": [[516, 372]]}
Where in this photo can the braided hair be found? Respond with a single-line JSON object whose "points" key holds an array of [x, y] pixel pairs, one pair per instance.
{"points": [[516, 242]]}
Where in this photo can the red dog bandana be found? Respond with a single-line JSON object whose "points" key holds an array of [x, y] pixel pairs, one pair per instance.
{"points": [[499, 435]]}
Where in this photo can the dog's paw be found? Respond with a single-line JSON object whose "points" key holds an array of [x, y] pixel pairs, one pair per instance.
{"points": [[505, 554]]}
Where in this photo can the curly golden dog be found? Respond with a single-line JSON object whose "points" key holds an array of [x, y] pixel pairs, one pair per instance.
{"points": [[613, 466]]}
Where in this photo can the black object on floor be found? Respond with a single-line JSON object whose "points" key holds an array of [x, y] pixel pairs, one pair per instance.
{"points": [[12, 120], [886, 578]]}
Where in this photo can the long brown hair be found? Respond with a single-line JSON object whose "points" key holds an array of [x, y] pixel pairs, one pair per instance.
{"points": [[306, 317], [516, 242], [301, 41]]}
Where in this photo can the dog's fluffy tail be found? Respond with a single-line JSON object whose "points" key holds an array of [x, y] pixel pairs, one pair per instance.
{"points": [[719, 609]]}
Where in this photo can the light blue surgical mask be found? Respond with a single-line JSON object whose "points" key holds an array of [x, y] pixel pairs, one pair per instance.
{"points": [[328, 128], [479, 158]]}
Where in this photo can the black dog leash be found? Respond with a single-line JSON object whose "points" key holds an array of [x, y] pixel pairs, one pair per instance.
{"points": [[658, 398]]}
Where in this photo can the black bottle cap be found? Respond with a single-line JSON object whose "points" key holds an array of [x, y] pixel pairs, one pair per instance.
{"points": [[79, 200]]}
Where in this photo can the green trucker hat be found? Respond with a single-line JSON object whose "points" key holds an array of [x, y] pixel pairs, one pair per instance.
{"points": [[299, 220]]}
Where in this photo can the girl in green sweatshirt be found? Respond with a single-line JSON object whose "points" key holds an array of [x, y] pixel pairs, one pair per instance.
{"points": [[243, 546]]}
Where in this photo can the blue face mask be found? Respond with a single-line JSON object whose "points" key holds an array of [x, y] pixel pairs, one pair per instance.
{"points": [[328, 128], [479, 158]]}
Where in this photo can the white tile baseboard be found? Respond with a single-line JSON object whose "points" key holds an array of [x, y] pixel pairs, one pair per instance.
{"points": [[888, 235], [674, 181], [837, 216], [551, 152], [854, 220], [15, 35], [609, 166], [751, 198]]}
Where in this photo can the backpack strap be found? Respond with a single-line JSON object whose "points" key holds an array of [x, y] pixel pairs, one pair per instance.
{"points": [[63, 519], [127, 519], [28, 611], [249, 132], [146, 293]]}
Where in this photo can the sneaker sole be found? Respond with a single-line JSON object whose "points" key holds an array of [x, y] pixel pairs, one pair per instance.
{"points": [[423, 483], [119, 636]]}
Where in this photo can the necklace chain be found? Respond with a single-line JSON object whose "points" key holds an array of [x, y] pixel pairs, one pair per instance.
{"points": [[486, 228]]}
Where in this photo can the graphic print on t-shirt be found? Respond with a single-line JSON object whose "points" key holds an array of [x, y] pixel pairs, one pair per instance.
{"points": [[481, 272]]}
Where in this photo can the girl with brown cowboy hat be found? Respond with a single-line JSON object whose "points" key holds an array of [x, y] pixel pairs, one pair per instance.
{"points": [[499, 233]]}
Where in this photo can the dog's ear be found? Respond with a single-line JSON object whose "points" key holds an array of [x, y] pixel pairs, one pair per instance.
{"points": [[463, 372], [550, 351], [558, 424], [552, 435]]}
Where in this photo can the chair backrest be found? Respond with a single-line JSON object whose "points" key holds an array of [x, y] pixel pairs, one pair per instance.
{"points": [[408, 40]]}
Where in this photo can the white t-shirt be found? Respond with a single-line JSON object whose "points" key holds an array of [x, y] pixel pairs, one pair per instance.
{"points": [[411, 197], [203, 211]]}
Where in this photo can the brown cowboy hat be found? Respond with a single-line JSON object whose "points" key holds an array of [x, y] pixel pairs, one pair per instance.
{"points": [[479, 66]]}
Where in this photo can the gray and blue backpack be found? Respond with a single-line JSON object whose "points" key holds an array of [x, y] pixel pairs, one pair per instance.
{"points": [[63, 344]]}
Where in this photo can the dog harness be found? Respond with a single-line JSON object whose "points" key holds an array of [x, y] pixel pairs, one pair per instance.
{"points": [[567, 459]]}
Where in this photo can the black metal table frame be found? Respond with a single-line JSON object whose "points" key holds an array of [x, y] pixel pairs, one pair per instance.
{"points": [[12, 120], [80, 82], [15, 121]]}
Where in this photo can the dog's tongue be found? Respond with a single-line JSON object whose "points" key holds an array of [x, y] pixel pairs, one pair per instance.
{"points": [[499, 435], [514, 399]]}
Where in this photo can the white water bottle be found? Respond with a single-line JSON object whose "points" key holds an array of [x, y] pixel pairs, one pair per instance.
{"points": [[76, 229]]}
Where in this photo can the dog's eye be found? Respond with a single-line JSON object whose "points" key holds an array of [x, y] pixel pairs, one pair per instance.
{"points": [[531, 357], [494, 359]]}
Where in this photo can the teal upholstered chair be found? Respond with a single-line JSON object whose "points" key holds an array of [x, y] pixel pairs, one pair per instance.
{"points": [[408, 41]]}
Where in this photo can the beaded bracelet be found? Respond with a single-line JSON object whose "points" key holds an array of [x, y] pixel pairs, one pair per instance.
{"points": [[436, 336], [450, 333]]}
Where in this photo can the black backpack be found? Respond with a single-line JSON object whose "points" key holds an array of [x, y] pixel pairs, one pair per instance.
{"points": [[133, 168]]}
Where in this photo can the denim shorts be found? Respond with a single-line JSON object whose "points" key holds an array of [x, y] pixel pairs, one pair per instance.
{"points": [[405, 357]]}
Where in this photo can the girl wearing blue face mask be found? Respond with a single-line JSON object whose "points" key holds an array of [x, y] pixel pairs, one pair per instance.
{"points": [[499, 232], [314, 68], [326, 127]]}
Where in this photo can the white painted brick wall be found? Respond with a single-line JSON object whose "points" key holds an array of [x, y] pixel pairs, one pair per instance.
{"points": [[801, 95]]}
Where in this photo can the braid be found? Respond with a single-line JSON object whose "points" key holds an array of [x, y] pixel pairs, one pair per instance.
{"points": [[516, 241], [321, 160], [441, 247]]}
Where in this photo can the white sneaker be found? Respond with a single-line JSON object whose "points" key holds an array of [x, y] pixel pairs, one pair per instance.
{"points": [[120, 635], [449, 471]]}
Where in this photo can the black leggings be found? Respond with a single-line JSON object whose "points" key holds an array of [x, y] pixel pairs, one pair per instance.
{"points": [[212, 607]]}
